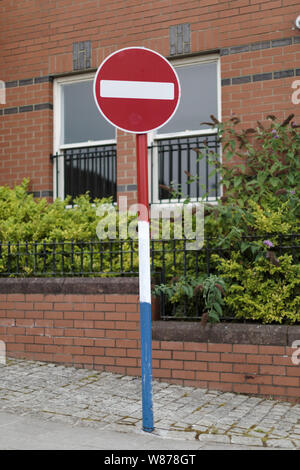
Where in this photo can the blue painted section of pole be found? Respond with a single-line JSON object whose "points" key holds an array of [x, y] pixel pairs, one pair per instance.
{"points": [[146, 353]]}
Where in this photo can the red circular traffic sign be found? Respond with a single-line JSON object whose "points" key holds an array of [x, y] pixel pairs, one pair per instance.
{"points": [[136, 89]]}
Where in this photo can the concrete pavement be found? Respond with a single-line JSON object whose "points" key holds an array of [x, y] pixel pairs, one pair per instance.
{"points": [[48, 406]]}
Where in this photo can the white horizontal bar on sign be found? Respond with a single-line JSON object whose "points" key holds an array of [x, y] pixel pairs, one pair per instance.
{"points": [[136, 90]]}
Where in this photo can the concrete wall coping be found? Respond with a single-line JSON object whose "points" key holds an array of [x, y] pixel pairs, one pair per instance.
{"points": [[72, 285], [233, 333]]}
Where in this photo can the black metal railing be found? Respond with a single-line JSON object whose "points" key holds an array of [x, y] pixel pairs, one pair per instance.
{"points": [[69, 258], [177, 171], [169, 259], [90, 169]]}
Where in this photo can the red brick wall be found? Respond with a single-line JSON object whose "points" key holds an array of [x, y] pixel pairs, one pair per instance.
{"points": [[101, 331], [96, 331], [37, 39], [241, 368], [255, 100]]}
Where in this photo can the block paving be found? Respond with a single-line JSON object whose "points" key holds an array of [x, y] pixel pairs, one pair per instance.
{"points": [[105, 400]]}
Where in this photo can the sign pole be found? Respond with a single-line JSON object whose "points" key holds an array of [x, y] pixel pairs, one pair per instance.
{"points": [[144, 281], [137, 90]]}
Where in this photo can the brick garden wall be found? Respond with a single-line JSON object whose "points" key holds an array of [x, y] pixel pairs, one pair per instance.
{"points": [[256, 39], [94, 323]]}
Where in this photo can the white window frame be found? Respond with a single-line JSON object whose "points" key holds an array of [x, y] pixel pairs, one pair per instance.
{"points": [[154, 137], [58, 147]]}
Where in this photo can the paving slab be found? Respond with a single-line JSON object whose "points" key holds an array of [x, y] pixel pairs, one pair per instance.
{"points": [[46, 406]]}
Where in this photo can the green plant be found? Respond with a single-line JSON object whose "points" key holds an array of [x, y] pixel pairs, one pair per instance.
{"points": [[213, 289], [267, 290], [260, 172], [55, 232], [259, 163], [188, 291], [181, 292], [23, 218]]}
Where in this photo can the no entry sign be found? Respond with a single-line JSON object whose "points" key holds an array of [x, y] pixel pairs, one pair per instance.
{"points": [[136, 90]]}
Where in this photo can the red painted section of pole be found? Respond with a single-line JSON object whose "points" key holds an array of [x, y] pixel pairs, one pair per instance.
{"points": [[142, 175]]}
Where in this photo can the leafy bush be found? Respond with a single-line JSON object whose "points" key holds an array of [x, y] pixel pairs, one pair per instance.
{"points": [[189, 293], [261, 176], [260, 172], [37, 236], [265, 291], [259, 163], [181, 293], [24, 218]]}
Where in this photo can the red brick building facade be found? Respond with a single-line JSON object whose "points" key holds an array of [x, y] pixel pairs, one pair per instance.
{"points": [[239, 56]]}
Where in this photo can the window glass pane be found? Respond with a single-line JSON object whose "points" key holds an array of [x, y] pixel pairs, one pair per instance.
{"points": [[198, 98], [81, 119]]}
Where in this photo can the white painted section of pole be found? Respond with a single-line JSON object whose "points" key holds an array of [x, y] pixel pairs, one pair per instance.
{"points": [[144, 261], [136, 90]]}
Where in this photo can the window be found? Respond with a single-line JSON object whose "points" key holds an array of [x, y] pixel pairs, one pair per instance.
{"points": [[173, 158], [84, 142]]}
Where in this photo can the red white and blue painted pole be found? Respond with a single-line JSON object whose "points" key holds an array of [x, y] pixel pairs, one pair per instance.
{"points": [[144, 281]]}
